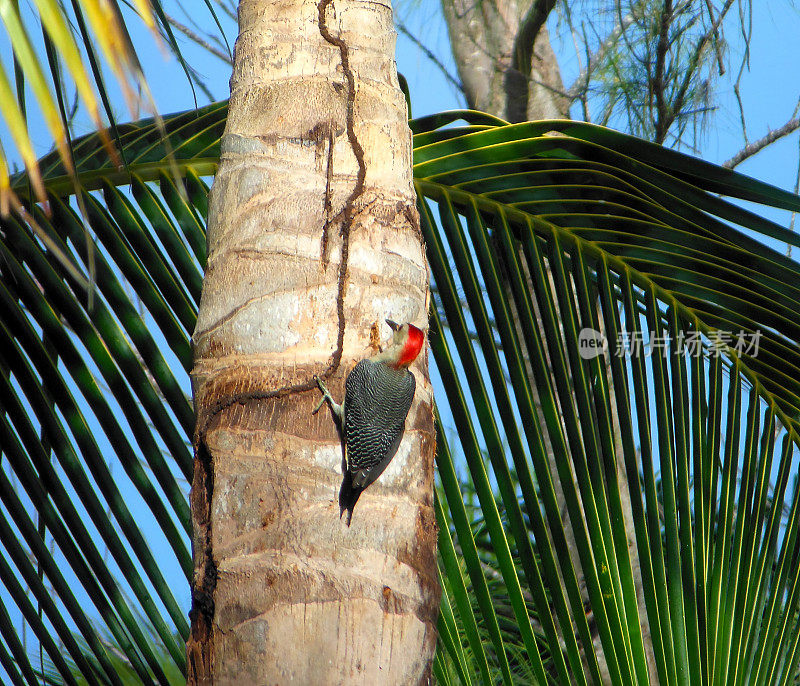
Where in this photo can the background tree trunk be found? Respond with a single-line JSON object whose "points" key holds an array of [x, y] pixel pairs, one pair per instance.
{"points": [[283, 590], [504, 58]]}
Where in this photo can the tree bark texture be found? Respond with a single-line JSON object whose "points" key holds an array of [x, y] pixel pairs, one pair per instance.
{"points": [[504, 58], [313, 240]]}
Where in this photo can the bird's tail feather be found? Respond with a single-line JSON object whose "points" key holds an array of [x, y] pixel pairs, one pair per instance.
{"points": [[348, 496]]}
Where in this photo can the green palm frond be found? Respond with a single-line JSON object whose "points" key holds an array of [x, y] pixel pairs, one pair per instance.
{"points": [[77, 46], [192, 137], [124, 673], [535, 232], [101, 388], [553, 229]]}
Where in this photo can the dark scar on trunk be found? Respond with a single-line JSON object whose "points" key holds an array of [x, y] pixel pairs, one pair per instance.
{"points": [[344, 216]]}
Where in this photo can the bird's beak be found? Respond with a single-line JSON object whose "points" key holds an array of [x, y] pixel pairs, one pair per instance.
{"points": [[393, 325]]}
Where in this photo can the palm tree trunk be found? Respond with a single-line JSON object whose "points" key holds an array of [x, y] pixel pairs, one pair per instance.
{"points": [[313, 240]]}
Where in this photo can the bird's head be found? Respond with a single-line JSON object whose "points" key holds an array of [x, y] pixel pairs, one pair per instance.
{"points": [[406, 344]]}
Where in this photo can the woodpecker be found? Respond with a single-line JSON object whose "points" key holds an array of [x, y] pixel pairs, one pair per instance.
{"points": [[371, 420]]}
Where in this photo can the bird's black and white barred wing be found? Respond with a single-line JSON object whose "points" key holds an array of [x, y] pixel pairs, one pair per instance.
{"points": [[377, 400]]}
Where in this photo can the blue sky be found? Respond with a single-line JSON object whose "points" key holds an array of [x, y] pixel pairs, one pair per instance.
{"points": [[770, 87]]}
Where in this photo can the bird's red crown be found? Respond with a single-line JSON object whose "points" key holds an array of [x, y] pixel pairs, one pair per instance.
{"points": [[413, 344]]}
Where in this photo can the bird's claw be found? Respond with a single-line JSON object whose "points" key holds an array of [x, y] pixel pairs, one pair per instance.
{"points": [[325, 395]]}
